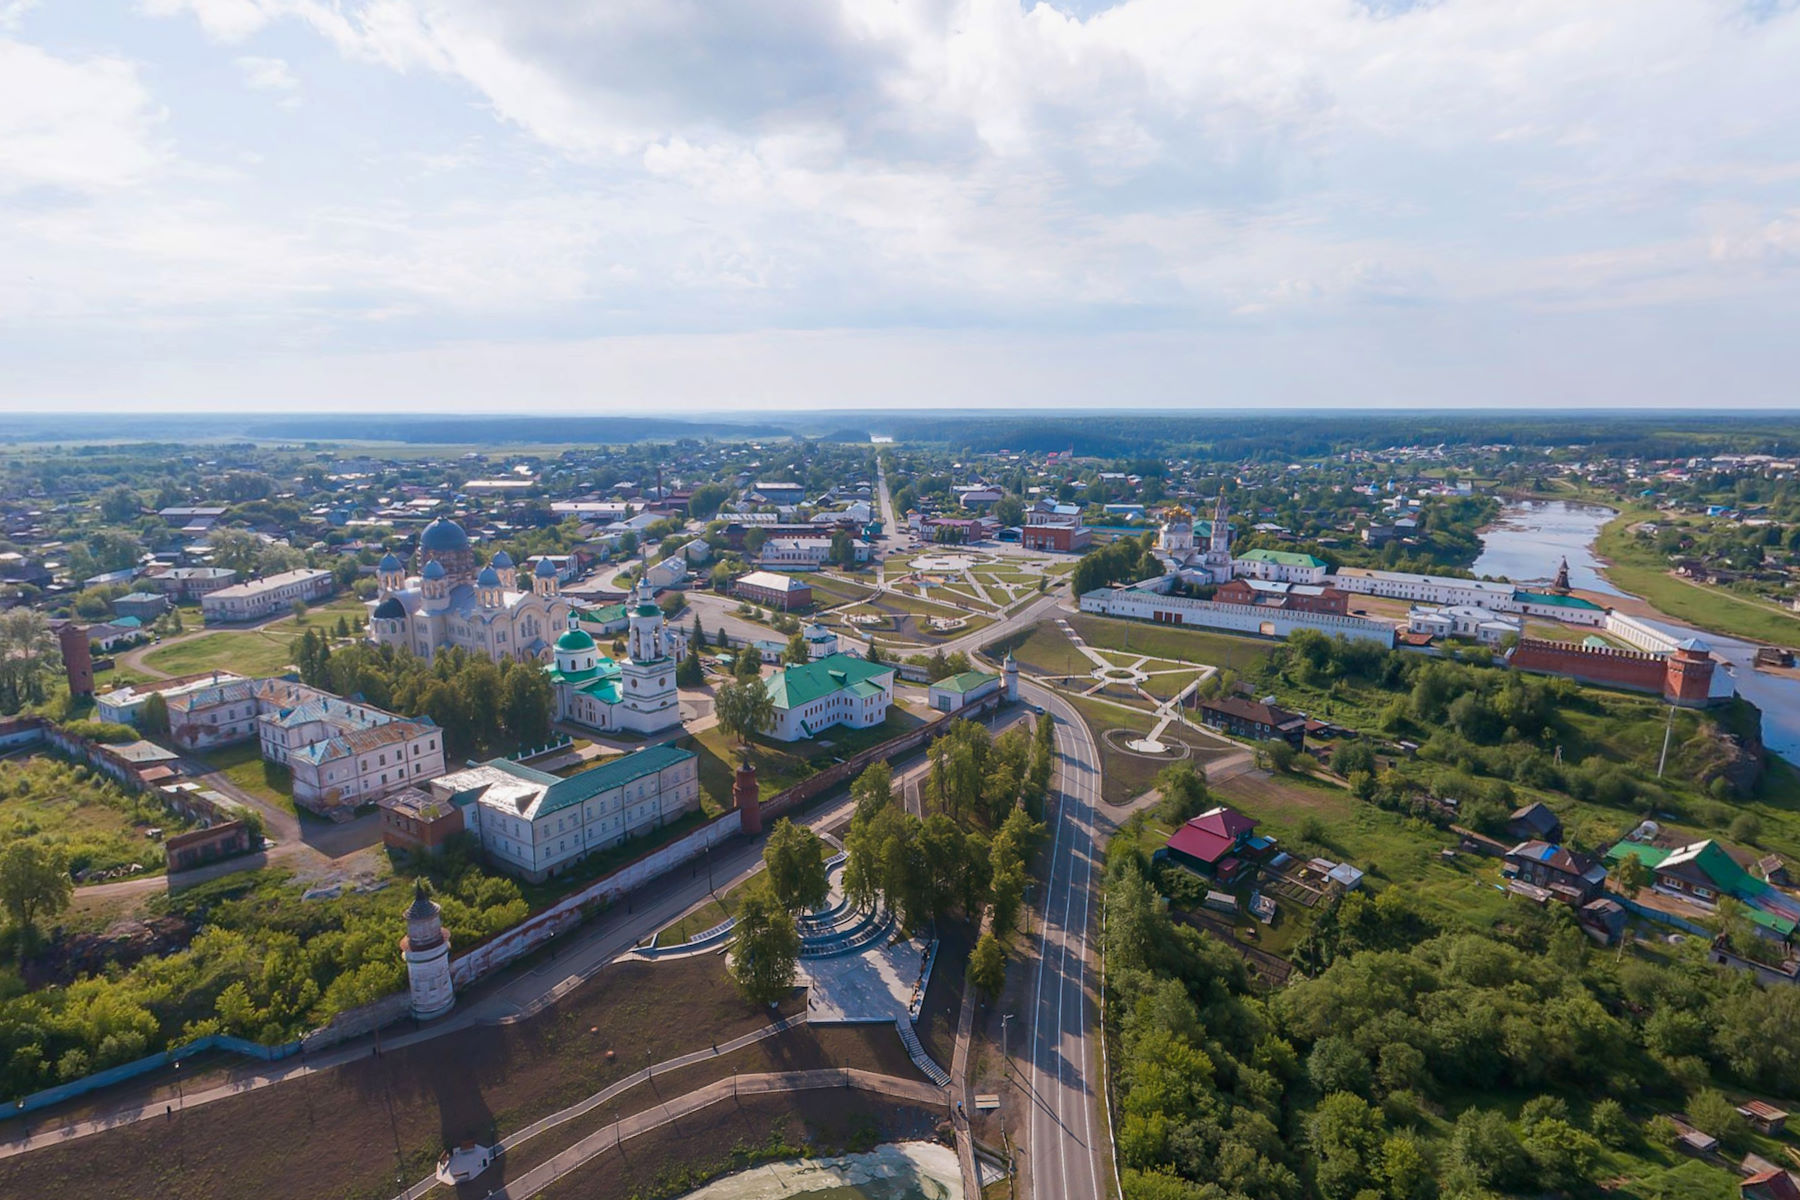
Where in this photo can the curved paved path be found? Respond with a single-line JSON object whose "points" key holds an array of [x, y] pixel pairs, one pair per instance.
{"points": [[611, 1136]]}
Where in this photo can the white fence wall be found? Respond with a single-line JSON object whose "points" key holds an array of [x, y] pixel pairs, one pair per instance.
{"points": [[1238, 618], [1640, 634]]}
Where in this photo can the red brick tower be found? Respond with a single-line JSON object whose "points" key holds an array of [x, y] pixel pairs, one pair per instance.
{"points": [[745, 799], [78, 658], [1689, 674]]}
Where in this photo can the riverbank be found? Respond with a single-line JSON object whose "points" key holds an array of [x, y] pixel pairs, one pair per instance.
{"points": [[902, 1171], [1638, 569]]}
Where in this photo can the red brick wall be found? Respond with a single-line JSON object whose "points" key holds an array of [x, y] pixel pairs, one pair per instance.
{"points": [[1609, 668]]}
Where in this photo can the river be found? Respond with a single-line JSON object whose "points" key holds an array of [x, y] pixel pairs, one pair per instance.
{"points": [[1532, 536], [902, 1171]]}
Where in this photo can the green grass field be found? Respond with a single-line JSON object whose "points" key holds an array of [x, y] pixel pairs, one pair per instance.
{"points": [[830, 591], [244, 766], [714, 911], [1168, 642], [100, 826], [1126, 776], [1638, 568], [780, 765], [265, 651], [250, 652]]}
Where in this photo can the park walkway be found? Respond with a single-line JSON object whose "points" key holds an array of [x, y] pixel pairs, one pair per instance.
{"points": [[613, 1136]]}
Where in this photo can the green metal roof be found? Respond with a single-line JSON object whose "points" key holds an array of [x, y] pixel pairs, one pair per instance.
{"points": [[1554, 600], [1285, 558], [968, 681], [566, 793], [792, 687], [604, 615]]}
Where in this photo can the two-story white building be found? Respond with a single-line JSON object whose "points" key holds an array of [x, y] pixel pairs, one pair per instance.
{"points": [[835, 690], [536, 825], [265, 597], [343, 753]]}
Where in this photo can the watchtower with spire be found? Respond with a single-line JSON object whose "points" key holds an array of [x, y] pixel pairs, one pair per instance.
{"points": [[426, 949]]}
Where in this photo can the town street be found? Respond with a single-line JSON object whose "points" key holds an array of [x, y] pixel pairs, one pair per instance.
{"points": [[1065, 1159]]}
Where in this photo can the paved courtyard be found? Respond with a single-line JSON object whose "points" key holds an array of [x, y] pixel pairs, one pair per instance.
{"points": [[876, 983]]}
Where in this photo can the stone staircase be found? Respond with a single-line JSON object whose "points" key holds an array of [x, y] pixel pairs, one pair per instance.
{"points": [[916, 1052]]}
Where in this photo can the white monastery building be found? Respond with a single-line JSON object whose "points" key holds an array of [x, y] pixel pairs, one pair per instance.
{"points": [[536, 825], [835, 690]]}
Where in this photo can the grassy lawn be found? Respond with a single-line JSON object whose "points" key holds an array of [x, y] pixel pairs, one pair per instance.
{"points": [[780, 765], [264, 651], [1126, 776], [716, 910], [830, 590], [1311, 817], [1637, 568], [243, 764], [248, 652], [1163, 641], [1041, 649]]}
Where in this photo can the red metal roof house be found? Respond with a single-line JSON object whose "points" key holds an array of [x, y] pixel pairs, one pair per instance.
{"points": [[1212, 843]]}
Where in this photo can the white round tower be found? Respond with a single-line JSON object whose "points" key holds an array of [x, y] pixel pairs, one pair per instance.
{"points": [[1012, 677], [427, 953]]}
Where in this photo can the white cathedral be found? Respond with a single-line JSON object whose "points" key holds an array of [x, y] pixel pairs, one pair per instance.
{"points": [[449, 604], [1179, 542], [638, 694]]}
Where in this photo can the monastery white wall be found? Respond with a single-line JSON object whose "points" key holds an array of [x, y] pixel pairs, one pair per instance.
{"points": [[1238, 618]]}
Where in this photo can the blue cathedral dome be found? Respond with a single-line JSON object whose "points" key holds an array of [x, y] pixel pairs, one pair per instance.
{"points": [[545, 569], [390, 610], [443, 535], [391, 563], [502, 559], [488, 578], [434, 570]]}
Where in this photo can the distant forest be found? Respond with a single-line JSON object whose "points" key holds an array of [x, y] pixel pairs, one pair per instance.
{"points": [[1212, 435]]}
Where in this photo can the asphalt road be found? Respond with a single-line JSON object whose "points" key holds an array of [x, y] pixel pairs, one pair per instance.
{"points": [[1065, 1161]]}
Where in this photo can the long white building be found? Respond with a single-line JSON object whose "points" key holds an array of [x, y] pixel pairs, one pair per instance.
{"points": [[536, 825], [1449, 591], [266, 597], [1143, 604]]}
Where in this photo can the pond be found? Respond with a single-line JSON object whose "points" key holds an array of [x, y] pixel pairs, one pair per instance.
{"points": [[1533, 536], [903, 1171]]}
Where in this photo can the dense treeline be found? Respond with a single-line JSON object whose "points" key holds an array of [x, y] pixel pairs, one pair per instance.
{"points": [[262, 965], [1123, 560], [482, 706], [972, 853], [1422, 1060]]}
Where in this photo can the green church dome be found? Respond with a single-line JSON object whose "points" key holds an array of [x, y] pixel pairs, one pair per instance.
{"points": [[575, 641]]}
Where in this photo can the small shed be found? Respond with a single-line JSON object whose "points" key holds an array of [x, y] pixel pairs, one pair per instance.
{"points": [[1345, 876], [1763, 1116], [1221, 901]]}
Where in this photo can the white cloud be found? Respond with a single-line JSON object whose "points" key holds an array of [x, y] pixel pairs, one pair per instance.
{"points": [[267, 74], [725, 165], [81, 124]]}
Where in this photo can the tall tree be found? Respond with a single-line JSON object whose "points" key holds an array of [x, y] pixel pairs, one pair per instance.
{"points": [[874, 788], [795, 858], [765, 946], [29, 657], [34, 881], [798, 653], [744, 709]]}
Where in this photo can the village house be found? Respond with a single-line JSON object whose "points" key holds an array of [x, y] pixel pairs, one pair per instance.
{"points": [[1255, 720]]}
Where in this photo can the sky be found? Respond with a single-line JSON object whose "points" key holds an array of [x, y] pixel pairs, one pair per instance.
{"points": [[666, 205]]}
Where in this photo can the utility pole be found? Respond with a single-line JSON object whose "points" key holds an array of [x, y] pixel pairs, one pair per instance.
{"points": [[1668, 730]]}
